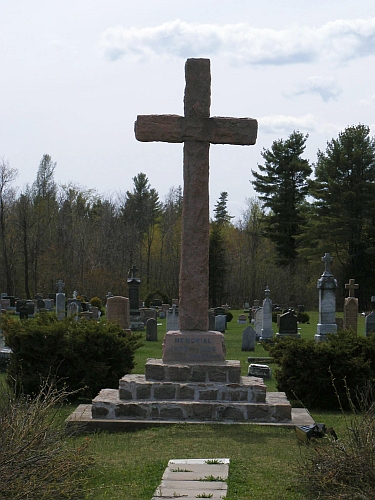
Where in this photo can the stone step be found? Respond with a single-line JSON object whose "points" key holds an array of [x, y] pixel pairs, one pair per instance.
{"points": [[108, 405], [137, 388], [228, 371]]}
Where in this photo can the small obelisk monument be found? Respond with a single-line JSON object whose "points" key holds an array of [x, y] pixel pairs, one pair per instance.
{"points": [[197, 130]]}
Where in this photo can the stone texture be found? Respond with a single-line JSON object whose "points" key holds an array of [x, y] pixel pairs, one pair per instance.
{"points": [[228, 371], [248, 339], [193, 347], [118, 311], [196, 129]]}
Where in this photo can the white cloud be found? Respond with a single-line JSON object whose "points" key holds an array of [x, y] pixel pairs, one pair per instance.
{"points": [[338, 41], [326, 87], [368, 102], [283, 124]]}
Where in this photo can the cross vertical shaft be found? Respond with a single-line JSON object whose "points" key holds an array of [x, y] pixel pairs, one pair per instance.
{"points": [[195, 219]]}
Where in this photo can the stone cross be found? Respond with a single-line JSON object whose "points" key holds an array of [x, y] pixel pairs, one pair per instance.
{"points": [[196, 129], [327, 259], [351, 287], [132, 271], [60, 285]]}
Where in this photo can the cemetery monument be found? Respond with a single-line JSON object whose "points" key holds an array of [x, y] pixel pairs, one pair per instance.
{"points": [[351, 307], [327, 286], [193, 381]]}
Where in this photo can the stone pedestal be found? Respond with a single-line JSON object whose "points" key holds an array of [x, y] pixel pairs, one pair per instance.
{"points": [[327, 286], [213, 392], [193, 347]]}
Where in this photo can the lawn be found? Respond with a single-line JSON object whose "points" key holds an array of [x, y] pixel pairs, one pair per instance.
{"points": [[263, 459]]}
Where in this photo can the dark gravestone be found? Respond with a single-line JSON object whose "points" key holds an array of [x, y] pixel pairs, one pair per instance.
{"points": [[370, 324], [248, 339], [24, 312], [20, 303], [12, 300], [219, 311], [288, 325], [30, 307], [151, 330], [41, 304], [133, 291]]}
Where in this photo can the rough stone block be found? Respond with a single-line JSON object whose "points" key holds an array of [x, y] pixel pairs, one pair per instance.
{"points": [[99, 412], [143, 391], [130, 410], [171, 413], [125, 394], [165, 391], [208, 395], [184, 393], [230, 413]]}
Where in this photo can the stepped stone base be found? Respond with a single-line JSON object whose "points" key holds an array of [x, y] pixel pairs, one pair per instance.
{"points": [[108, 405], [200, 392]]}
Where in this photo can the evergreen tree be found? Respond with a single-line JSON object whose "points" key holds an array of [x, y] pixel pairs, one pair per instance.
{"points": [[283, 186], [217, 253], [343, 217]]}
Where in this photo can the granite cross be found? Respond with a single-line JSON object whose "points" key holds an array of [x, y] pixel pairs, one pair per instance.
{"points": [[351, 286], [132, 271], [327, 259], [60, 285], [196, 129]]}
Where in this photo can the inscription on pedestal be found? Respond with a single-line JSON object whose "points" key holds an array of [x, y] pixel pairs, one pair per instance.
{"points": [[193, 347]]}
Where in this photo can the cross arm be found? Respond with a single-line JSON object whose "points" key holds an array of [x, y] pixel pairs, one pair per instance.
{"points": [[216, 130]]}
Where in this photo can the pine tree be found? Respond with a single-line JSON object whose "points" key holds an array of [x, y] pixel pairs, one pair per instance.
{"points": [[283, 186]]}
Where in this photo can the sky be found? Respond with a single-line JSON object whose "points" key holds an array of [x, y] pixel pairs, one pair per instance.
{"points": [[76, 73]]}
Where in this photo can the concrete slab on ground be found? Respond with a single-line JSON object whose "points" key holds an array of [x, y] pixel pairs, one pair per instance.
{"points": [[81, 421], [176, 484]]}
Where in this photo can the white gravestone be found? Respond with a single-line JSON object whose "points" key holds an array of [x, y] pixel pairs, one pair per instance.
{"points": [[267, 332]]}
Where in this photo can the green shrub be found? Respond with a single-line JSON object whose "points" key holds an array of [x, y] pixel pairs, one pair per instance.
{"points": [[96, 302], [274, 316], [89, 354], [305, 367], [37, 462], [303, 317], [229, 316]]}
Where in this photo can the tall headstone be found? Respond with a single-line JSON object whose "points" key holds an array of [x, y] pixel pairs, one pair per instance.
{"points": [[267, 332], [258, 322], [133, 290], [351, 307], [248, 339], [327, 286], [196, 130], [118, 311], [172, 319], [73, 310], [151, 330]]}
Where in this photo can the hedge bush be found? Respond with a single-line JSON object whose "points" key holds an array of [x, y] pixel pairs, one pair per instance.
{"points": [[306, 368], [89, 354]]}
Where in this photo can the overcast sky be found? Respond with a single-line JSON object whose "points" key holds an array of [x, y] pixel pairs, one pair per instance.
{"points": [[76, 73]]}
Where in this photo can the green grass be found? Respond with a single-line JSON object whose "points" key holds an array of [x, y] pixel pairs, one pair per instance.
{"points": [[263, 459]]}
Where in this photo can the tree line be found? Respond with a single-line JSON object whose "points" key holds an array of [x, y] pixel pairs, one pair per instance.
{"points": [[50, 231]]}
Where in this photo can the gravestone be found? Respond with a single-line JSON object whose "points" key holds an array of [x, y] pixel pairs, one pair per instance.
{"points": [[351, 307], [288, 325], [370, 324], [118, 311], [248, 339], [24, 314], [146, 313], [20, 303], [220, 323], [30, 308], [12, 301], [5, 303], [60, 300], [242, 319], [151, 330], [48, 304], [267, 332], [339, 323], [258, 370], [327, 286], [95, 312], [73, 310], [41, 305], [258, 322], [172, 319], [133, 290]]}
